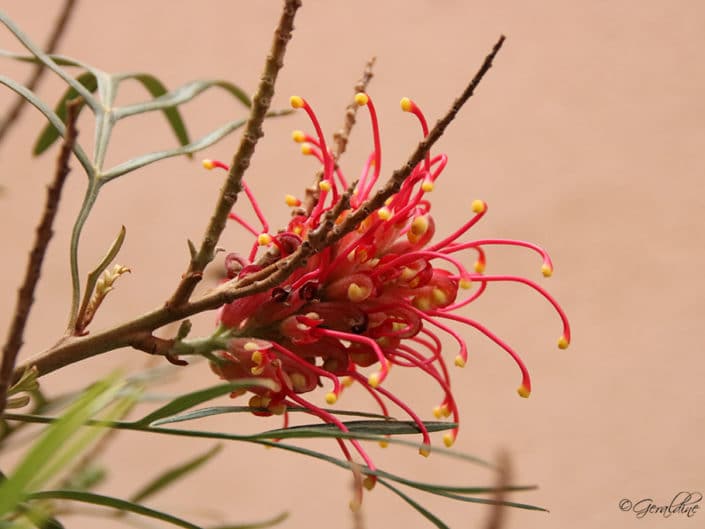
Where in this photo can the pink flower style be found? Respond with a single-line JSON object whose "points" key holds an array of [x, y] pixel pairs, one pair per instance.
{"points": [[380, 296]]}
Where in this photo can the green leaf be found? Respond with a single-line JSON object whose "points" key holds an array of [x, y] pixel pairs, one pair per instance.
{"points": [[421, 510], [257, 525], [50, 134], [46, 59], [375, 428], [60, 442], [219, 410], [184, 402], [156, 88], [198, 145], [95, 274], [173, 474], [181, 95], [114, 503], [54, 120]]}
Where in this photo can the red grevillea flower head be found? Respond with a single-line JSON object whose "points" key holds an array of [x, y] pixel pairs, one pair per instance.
{"points": [[380, 296]]}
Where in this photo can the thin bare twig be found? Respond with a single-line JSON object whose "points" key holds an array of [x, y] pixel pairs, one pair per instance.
{"points": [[241, 159], [25, 296], [504, 478], [39, 69], [73, 349], [340, 138]]}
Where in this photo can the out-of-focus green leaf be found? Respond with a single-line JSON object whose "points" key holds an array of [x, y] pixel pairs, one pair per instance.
{"points": [[257, 525], [50, 133], [55, 449], [50, 115], [184, 402], [114, 503], [172, 475]]}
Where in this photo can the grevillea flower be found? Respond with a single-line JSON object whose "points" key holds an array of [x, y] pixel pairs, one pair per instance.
{"points": [[380, 296]]}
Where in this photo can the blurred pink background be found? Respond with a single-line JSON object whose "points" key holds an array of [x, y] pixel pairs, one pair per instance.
{"points": [[586, 137]]}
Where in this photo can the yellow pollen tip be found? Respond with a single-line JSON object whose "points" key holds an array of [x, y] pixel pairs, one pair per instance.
{"points": [[425, 451], [348, 381], [356, 293], [478, 206], [306, 149], [257, 357], [465, 284], [208, 164], [257, 371], [406, 104], [445, 410], [298, 230], [331, 398], [479, 267], [384, 213], [324, 185], [563, 343], [263, 239], [459, 361], [298, 136], [369, 482], [427, 186], [296, 102], [292, 201], [437, 413], [421, 303], [361, 98], [448, 440], [419, 225], [383, 444], [439, 297], [546, 270], [523, 391], [373, 380]]}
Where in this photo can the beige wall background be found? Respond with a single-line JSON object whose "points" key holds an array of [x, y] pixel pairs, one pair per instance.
{"points": [[586, 137]]}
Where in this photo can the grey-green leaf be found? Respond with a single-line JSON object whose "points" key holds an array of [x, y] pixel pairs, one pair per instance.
{"points": [[50, 134], [172, 475]]}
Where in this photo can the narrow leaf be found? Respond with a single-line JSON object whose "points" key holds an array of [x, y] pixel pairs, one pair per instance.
{"points": [[181, 95], [194, 398], [421, 510], [173, 474], [114, 503], [95, 275], [156, 89], [257, 525], [47, 455], [50, 134], [358, 427], [54, 120]]}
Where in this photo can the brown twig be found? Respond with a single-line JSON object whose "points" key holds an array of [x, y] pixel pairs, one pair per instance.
{"points": [[241, 159], [340, 137], [39, 69], [25, 296], [504, 478], [73, 349]]}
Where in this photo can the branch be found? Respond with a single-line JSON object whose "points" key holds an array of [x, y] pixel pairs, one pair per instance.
{"points": [[25, 296], [39, 69], [73, 349], [241, 160], [340, 138]]}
